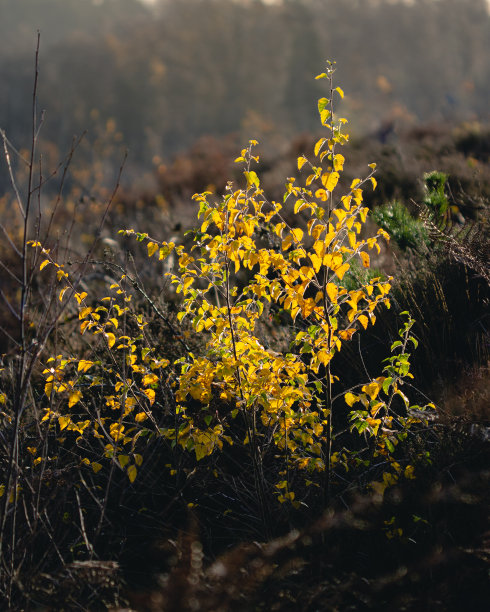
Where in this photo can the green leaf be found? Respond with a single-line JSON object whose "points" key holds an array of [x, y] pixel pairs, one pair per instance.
{"points": [[322, 104], [389, 445], [414, 341], [252, 179], [386, 384]]}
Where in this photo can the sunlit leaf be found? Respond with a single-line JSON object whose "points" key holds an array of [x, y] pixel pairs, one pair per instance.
{"points": [[63, 422], [73, 398], [152, 248], [84, 365], [330, 180]]}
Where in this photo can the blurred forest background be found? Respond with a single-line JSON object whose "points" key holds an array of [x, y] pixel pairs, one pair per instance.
{"points": [[155, 77]]}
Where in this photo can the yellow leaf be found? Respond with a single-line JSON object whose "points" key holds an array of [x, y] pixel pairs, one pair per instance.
{"points": [[373, 388], [338, 162], [330, 180], [138, 459], [117, 431], [96, 467], [150, 394], [132, 472], [297, 234], [374, 182], [364, 258], [80, 296], [302, 161], [74, 397], [286, 243], [150, 379], [319, 145], [140, 417], [316, 261], [63, 422], [352, 239], [152, 248], [321, 194], [278, 228], [324, 356], [342, 270], [84, 326], [252, 179], [363, 320], [44, 264], [332, 291], [62, 292], [346, 334], [84, 312], [187, 283], [111, 339], [84, 365], [123, 460], [350, 399], [299, 205], [317, 231], [339, 91]]}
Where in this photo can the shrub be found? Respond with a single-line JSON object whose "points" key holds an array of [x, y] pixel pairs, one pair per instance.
{"points": [[247, 259]]}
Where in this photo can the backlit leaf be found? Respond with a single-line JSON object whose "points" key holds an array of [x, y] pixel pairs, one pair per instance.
{"points": [[84, 365], [63, 422], [301, 161], [152, 248], [150, 394], [73, 398], [330, 180], [364, 258], [351, 399]]}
